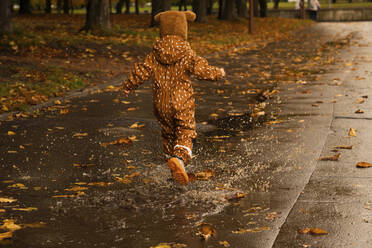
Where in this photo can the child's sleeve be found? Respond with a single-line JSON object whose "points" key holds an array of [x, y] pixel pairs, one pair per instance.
{"points": [[140, 73], [202, 70]]}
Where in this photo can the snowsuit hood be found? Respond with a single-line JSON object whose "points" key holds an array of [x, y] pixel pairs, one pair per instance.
{"points": [[170, 49]]}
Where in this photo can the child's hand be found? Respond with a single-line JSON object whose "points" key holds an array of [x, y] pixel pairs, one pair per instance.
{"points": [[126, 92], [223, 72]]}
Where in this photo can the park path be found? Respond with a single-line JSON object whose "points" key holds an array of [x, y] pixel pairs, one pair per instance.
{"points": [[63, 171]]}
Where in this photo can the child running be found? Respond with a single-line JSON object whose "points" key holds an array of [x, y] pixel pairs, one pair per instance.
{"points": [[170, 64]]}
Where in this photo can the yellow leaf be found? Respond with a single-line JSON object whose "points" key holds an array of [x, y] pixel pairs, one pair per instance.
{"points": [[123, 180], [6, 235], [76, 188], [11, 133], [57, 102], [83, 165], [224, 243], [136, 125], [18, 185], [363, 165], [252, 230], [64, 111], [7, 200], [25, 209], [131, 109], [10, 225], [162, 245], [80, 134], [34, 225], [352, 132], [2, 210], [206, 230]]}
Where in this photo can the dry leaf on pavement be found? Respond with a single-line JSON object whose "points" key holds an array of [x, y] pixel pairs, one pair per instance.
{"points": [[313, 231], [343, 147], [359, 111], [224, 243], [251, 230], [10, 225], [352, 132], [331, 158], [363, 165], [206, 230], [6, 235], [235, 197], [83, 165], [7, 200]]}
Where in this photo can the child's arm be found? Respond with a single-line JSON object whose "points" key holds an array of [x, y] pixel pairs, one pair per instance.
{"points": [[203, 71], [140, 73]]}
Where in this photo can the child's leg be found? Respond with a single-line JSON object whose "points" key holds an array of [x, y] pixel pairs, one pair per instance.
{"points": [[185, 132]]}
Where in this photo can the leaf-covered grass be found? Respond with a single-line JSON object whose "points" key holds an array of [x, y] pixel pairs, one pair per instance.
{"points": [[47, 55]]}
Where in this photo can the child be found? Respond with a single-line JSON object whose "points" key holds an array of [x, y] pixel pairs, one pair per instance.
{"points": [[170, 64]]}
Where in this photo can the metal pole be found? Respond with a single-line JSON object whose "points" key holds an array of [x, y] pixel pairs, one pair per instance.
{"points": [[251, 16]]}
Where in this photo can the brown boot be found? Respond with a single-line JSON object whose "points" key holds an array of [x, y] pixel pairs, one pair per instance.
{"points": [[178, 170]]}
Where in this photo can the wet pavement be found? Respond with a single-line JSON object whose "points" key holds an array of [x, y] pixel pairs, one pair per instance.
{"points": [[259, 179]]}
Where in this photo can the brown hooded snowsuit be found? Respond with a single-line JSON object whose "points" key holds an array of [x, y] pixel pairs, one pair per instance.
{"points": [[171, 63]]}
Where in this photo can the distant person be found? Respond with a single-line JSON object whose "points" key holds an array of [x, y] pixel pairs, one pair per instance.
{"points": [[170, 64], [314, 6]]}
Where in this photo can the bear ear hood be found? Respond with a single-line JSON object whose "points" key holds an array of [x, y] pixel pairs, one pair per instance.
{"points": [[170, 49], [174, 22]]}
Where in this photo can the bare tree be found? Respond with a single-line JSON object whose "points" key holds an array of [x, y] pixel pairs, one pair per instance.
{"points": [[263, 8], [220, 8], [127, 6], [158, 6], [66, 6], [98, 16], [59, 6], [119, 6], [210, 7], [6, 25], [276, 4], [48, 6], [228, 12], [182, 4], [241, 6], [24, 7], [200, 9], [137, 7]]}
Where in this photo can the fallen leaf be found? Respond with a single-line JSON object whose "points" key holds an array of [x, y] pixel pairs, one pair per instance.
{"points": [[120, 141], [80, 135], [204, 175], [136, 125], [363, 165], [206, 230], [359, 101], [10, 225], [131, 109], [101, 184], [63, 111], [331, 158], [162, 245], [224, 243], [313, 231], [25, 209], [359, 111], [257, 114], [352, 132], [252, 230], [343, 147], [273, 122], [76, 188], [6, 235], [7, 200], [123, 180], [271, 216], [18, 186], [2, 210], [83, 165], [34, 225], [10, 133], [57, 102]]}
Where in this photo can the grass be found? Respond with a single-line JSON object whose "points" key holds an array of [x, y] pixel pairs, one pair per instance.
{"points": [[48, 57]]}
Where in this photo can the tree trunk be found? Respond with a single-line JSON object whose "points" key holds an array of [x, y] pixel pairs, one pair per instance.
{"points": [[263, 8], [241, 6], [229, 10], [182, 4], [333, 1], [137, 7], [255, 8], [220, 8], [98, 16], [6, 25], [119, 6], [157, 7], [66, 6], [24, 7], [276, 4], [210, 7], [59, 6], [127, 6], [48, 6], [200, 9]]}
